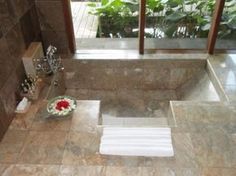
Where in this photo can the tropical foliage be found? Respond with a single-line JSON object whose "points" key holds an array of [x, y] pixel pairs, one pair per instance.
{"points": [[165, 18]]}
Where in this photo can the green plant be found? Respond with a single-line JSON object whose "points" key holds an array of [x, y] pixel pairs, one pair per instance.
{"points": [[172, 18], [228, 23]]}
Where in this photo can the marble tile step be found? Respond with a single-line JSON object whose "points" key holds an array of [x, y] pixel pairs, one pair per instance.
{"points": [[216, 82], [134, 121]]}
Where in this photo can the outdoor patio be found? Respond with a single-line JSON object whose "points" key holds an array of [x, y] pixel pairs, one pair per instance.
{"points": [[85, 24]]}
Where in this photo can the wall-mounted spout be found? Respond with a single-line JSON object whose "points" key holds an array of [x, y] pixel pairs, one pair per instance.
{"points": [[51, 63]]}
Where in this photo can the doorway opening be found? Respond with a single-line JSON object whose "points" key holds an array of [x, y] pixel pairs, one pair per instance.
{"points": [[114, 25], [94, 27]]}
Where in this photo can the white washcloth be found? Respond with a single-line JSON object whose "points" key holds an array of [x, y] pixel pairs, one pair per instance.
{"points": [[137, 142], [22, 105]]}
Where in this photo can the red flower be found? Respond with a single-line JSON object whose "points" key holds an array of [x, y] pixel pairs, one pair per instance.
{"points": [[62, 104]]}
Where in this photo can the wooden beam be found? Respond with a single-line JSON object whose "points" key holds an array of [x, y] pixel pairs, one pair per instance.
{"points": [[142, 16], [69, 25], [212, 36]]}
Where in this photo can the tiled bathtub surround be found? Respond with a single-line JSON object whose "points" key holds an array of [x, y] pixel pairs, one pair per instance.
{"points": [[138, 88], [204, 143], [149, 74], [18, 27]]}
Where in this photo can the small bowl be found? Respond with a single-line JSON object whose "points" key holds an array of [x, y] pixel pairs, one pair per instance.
{"points": [[52, 104]]}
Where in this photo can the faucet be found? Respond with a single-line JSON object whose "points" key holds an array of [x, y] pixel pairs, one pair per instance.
{"points": [[51, 63]]}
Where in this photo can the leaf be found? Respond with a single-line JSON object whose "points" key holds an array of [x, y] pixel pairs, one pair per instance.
{"points": [[164, 1], [232, 22], [170, 30], [130, 2], [200, 4], [133, 6], [206, 27], [92, 4], [176, 16], [174, 3], [230, 3], [104, 2], [155, 5]]}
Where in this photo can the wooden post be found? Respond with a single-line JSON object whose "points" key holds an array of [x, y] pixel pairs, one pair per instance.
{"points": [[142, 16], [212, 36], [69, 25]]}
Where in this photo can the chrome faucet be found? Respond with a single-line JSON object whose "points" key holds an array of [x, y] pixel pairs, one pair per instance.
{"points": [[51, 63]]}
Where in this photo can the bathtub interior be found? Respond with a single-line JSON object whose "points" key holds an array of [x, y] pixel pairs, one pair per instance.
{"points": [[141, 89]]}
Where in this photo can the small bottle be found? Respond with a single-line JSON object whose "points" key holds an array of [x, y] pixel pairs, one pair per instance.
{"points": [[29, 79], [24, 89], [28, 85]]}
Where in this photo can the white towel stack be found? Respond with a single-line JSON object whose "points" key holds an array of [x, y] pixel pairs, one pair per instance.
{"points": [[137, 142]]}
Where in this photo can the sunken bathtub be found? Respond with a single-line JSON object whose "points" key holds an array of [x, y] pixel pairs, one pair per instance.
{"points": [[138, 92]]}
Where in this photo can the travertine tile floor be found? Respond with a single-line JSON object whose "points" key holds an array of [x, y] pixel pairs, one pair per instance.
{"points": [[204, 144]]}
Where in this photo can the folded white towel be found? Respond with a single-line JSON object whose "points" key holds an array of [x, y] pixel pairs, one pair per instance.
{"points": [[137, 142], [136, 131], [132, 150]]}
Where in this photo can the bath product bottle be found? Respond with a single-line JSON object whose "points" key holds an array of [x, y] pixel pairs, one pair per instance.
{"points": [[31, 82], [27, 84], [29, 79], [24, 89]]}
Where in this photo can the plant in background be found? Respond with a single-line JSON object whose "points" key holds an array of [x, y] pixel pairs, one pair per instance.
{"points": [[166, 18], [228, 22], [116, 14]]}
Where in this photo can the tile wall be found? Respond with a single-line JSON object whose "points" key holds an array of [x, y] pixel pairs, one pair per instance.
{"points": [[52, 24], [18, 27]]}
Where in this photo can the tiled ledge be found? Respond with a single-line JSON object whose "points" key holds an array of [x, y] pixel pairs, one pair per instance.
{"points": [[129, 55], [224, 67]]}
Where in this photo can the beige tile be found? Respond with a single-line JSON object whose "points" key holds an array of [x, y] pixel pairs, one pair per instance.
{"points": [[209, 153], [103, 95], [127, 78], [82, 149], [37, 170], [52, 124], [164, 171], [85, 117], [103, 79], [5, 169], [227, 76], [43, 148], [28, 170], [188, 171], [82, 171], [79, 94], [156, 79], [11, 145], [24, 121], [124, 161], [170, 171], [218, 172], [150, 171], [230, 91], [184, 150], [229, 171], [124, 171]]}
